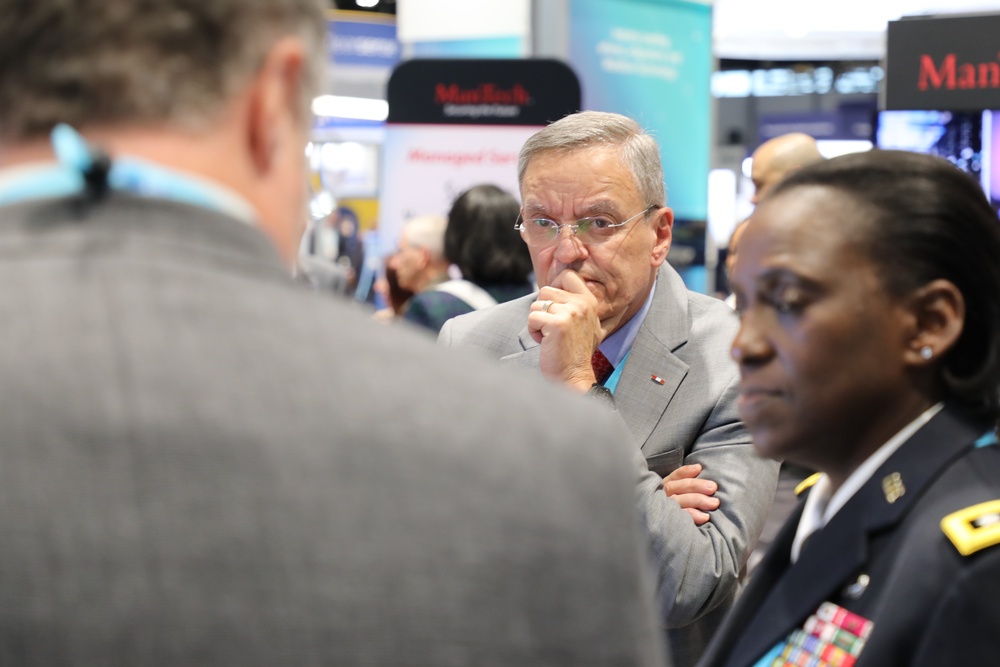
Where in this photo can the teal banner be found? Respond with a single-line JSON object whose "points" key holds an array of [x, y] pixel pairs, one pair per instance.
{"points": [[652, 60]]}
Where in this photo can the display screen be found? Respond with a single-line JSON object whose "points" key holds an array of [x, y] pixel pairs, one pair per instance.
{"points": [[969, 140]]}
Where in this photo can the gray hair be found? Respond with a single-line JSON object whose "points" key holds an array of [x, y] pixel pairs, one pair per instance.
{"points": [[427, 231], [638, 151], [106, 62]]}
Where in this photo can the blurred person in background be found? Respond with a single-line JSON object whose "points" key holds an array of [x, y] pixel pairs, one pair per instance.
{"points": [[869, 350], [316, 264], [391, 294], [197, 468], [494, 265], [777, 157], [478, 241], [331, 254], [420, 265], [350, 246]]}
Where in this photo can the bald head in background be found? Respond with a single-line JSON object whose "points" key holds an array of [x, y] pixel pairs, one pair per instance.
{"points": [[778, 156], [734, 241]]}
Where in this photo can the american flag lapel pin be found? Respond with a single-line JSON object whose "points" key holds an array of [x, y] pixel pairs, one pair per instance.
{"points": [[657, 379]]}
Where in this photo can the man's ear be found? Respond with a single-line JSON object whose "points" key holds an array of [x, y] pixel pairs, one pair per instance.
{"points": [[663, 225], [275, 98], [425, 258], [938, 310]]}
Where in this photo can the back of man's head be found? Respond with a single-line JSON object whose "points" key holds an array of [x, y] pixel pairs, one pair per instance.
{"points": [[774, 158], [216, 88], [590, 129], [98, 63]]}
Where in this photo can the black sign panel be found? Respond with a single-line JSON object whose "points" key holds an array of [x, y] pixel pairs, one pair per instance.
{"points": [[482, 92], [950, 63]]}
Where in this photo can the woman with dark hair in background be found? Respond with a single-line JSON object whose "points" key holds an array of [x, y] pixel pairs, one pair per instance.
{"points": [[480, 240], [869, 348]]}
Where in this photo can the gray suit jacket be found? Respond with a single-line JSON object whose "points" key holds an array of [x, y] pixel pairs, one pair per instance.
{"points": [[207, 464], [690, 418]]}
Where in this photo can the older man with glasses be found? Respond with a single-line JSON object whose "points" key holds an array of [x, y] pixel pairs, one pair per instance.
{"points": [[613, 319]]}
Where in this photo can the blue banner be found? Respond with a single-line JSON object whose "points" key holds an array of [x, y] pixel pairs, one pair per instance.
{"points": [[652, 60], [362, 41]]}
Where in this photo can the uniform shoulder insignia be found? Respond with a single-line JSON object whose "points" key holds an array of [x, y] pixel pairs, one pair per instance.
{"points": [[807, 482], [973, 528]]}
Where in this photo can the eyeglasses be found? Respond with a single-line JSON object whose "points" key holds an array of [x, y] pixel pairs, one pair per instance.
{"points": [[590, 231]]}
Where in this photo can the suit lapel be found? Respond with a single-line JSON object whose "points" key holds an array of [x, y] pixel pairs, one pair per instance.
{"points": [[839, 550], [526, 352], [652, 373]]}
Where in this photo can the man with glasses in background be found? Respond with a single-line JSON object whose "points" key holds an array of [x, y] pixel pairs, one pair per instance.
{"points": [[613, 319]]}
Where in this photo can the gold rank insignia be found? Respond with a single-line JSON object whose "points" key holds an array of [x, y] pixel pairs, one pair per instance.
{"points": [[892, 487], [973, 528], [807, 483]]}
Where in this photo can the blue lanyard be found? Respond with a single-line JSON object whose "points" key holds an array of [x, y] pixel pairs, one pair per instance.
{"points": [[81, 169], [771, 655], [988, 439]]}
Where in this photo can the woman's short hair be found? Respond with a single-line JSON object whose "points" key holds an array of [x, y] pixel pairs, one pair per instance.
{"points": [[481, 239], [928, 220]]}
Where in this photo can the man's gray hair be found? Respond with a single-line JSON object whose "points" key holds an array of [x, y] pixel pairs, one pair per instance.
{"points": [[132, 62], [427, 231], [587, 129]]}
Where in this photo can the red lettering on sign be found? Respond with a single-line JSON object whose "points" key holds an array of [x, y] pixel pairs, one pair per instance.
{"points": [[934, 76], [487, 93], [952, 75]]}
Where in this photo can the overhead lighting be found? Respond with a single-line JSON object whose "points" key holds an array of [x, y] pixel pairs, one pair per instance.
{"points": [[367, 4], [360, 108]]}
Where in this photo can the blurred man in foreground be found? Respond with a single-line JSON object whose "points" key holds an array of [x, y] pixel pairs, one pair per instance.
{"points": [[197, 464]]}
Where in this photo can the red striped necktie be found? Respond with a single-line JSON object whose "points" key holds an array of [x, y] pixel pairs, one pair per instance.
{"points": [[602, 367]]}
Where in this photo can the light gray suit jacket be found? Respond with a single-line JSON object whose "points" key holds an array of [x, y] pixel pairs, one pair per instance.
{"points": [[690, 418], [207, 464]]}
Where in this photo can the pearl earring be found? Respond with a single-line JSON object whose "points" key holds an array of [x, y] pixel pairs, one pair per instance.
{"points": [[926, 352]]}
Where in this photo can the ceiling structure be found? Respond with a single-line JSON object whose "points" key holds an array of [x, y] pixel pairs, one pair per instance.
{"points": [[792, 29], [803, 30]]}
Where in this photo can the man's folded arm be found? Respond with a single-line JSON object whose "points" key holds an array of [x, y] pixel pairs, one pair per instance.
{"points": [[699, 567]]}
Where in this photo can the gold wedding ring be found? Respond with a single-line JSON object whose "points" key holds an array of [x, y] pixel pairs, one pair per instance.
{"points": [[545, 305]]}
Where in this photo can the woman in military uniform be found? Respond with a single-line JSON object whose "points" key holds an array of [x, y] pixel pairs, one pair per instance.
{"points": [[869, 295]]}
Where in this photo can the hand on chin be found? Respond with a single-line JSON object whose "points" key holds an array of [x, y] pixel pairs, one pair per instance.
{"points": [[564, 321]]}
